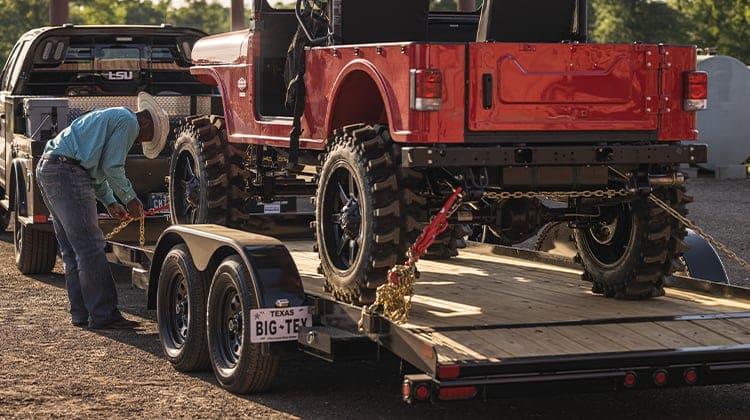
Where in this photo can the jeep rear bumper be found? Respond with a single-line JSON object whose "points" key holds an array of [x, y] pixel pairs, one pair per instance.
{"points": [[447, 156]]}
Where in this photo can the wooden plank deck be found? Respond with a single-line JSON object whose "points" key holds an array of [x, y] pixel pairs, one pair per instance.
{"points": [[474, 307]]}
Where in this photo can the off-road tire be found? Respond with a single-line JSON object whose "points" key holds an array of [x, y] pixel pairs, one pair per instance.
{"points": [[198, 173], [416, 215], [239, 366], [359, 164], [35, 249], [181, 311], [646, 248]]}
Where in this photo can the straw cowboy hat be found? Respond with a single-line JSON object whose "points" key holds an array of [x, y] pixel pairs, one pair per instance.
{"points": [[151, 149]]}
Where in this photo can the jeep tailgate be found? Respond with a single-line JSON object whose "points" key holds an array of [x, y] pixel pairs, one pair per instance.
{"points": [[563, 87]]}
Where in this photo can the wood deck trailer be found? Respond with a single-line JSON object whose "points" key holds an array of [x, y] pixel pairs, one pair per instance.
{"points": [[498, 322]]}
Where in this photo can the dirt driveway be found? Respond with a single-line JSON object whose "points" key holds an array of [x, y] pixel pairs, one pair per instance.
{"points": [[49, 368]]}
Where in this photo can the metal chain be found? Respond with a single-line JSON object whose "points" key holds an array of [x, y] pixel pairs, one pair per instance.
{"points": [[557, 195], [395, 295], [685, 221], [124, 224]]}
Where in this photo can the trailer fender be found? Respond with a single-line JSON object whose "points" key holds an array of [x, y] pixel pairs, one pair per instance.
{"points": [[702, 260], [18, 185], [273, 273]]}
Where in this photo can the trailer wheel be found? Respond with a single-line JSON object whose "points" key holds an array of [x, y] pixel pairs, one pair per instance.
{"points": [[357, 213], [198, 174], [181, 311], [630, 251], [239, 365], [35, 249]]}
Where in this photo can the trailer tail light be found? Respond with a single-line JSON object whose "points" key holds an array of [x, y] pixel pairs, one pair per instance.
{"points": [[696, 91], [448, 371], [40, 218], [630, 379], [426, 88], [660, 377], [690, 376], [416, 391], [457, 393]]}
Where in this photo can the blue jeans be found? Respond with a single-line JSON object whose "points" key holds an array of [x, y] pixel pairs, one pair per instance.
{"points": [[70, 198]]}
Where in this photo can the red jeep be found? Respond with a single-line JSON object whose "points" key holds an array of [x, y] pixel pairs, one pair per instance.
{"points": [[390, 107]]}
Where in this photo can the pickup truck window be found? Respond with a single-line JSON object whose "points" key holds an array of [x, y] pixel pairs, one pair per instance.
{"points": [[101, 66], [13, 66]]}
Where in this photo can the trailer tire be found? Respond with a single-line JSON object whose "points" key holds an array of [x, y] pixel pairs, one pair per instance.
{"points": [[35, 249], [181, 311], [357, 213], [198, 173], [629, 257], [239, 365]]}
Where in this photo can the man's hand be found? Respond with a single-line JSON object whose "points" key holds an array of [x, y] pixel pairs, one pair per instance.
{"points": [[116, 210], [135, 208]]}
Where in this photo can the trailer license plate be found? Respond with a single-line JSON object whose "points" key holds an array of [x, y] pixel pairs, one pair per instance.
{"points": [[158, 200], [278, 324]]}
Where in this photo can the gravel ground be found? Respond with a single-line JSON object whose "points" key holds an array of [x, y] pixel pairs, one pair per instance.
{"points": [[49, 368]]}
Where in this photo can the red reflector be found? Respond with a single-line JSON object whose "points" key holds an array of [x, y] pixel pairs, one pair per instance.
{"points": [[660, 377], [448, 372], [40, 218], [630, 379], [422, 392], [691, 376], [457, 393]]}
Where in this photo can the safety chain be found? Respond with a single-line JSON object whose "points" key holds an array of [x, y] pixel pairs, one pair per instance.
{"points": [[687, 223], [395, 295], [557, 195], [142, 229]]}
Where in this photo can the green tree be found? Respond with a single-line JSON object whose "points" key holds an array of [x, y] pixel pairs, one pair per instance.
{"points": [[209, 17], [720, 24], [635, 20], [118, 12], [17, 18]]}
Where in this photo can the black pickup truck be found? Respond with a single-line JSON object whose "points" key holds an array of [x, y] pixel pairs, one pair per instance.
{"points": [[55, 74]]}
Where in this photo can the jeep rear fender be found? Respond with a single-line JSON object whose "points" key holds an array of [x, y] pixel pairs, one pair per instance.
{"points": [[360, 94]]}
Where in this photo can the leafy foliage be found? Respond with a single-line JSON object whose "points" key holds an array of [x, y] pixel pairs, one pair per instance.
{"points": [[18, 17]]}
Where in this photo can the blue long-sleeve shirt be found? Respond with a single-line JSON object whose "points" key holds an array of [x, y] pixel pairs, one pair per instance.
{"points": [[101, 140]]}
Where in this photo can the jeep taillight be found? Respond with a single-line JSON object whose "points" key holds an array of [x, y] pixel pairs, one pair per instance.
{"points": [[696, 91], [426, 89]]}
